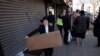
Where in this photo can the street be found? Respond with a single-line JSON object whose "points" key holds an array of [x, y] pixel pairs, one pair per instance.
{"points": [[88, 49]]}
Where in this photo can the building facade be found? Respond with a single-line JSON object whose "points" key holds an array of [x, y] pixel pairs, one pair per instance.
{"points": [[17, 19]]}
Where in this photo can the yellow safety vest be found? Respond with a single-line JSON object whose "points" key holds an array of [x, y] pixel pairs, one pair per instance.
{"points": [[59, 22]]}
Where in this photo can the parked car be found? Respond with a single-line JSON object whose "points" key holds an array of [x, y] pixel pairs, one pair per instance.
{"points": [[87, 14]]}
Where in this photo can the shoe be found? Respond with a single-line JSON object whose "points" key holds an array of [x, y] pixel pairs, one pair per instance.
{"points": [[98, 46], [49, 55], [79, 44], [66, 43]]}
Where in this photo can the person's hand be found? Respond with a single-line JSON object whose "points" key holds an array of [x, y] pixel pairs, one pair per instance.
{"points": [[27, 37], [50, 24]]}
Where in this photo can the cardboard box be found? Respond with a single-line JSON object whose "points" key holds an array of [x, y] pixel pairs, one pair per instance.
{"points": [[42, 41]]}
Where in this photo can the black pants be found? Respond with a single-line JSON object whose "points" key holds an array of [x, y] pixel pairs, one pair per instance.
{"points": [[1, 51], [53, 27], [99, 41], [65, 36], [60, 29], [48, 52]]}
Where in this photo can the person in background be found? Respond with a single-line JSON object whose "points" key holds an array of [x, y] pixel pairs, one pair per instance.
{"points": [[44, 28], [66, 26], [51, 19], [60, 22], [74, 17], [88, 23], [96, 29], [81, 28], [76, 14]]}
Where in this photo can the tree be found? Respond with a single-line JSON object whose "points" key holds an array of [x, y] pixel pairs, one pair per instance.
{"points": [[82, 3], [94, 3]]}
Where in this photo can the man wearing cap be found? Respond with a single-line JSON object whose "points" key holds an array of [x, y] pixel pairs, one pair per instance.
{"points": [[44, 28]]}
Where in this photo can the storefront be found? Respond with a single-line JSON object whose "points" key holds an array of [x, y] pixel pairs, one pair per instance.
{"points": [[20, 17]]}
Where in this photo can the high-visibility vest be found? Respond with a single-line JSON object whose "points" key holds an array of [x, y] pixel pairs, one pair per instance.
{"points": [[59, 22]]}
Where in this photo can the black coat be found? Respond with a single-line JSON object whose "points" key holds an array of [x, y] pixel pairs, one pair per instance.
{"points": [[40, 29], [51, 19], [67, 22], [81, 24], [96, 29]]}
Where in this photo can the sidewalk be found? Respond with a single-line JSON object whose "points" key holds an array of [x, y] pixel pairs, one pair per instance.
{"points": [[88, 49]]}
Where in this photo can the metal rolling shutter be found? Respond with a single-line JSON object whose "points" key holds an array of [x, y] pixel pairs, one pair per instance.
{"points": [[15, 24]]}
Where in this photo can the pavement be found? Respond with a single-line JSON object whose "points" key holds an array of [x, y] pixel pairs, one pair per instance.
{"points": [[87, 49]]}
